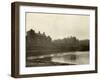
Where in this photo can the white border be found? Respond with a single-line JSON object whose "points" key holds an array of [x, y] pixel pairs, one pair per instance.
{"points": [[52, 69]]}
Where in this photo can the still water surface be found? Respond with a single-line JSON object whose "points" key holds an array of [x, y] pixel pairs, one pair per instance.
{"points": [[72, 57], [79, 57]]}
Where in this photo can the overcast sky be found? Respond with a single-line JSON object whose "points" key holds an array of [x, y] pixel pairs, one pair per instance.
{"points": [[59, 26]]}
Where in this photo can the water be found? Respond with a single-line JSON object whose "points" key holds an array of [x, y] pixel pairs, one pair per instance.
{"points": [[67, 58], [72, 57]]}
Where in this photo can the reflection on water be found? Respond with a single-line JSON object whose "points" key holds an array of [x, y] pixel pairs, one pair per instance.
{"points": [[72, 57], [68, 58]]}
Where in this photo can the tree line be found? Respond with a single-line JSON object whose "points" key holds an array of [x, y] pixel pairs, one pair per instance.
{"points": [[40, 44]]}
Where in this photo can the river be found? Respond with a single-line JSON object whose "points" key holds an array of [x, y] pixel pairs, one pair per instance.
{"points": [[77, 58], [72, 57]]}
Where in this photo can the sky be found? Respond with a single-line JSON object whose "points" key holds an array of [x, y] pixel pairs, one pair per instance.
{"points": [[59, 26]]}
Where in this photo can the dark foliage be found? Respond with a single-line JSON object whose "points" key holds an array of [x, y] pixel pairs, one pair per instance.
{"points": [[39, 44]]}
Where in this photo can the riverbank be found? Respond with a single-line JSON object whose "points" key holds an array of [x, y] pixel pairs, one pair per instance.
{"points": [[69, 58], [41, 64]]}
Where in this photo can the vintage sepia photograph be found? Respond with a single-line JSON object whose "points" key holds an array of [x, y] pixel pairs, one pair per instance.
{"points": [[56, 39], [53, 39]]}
